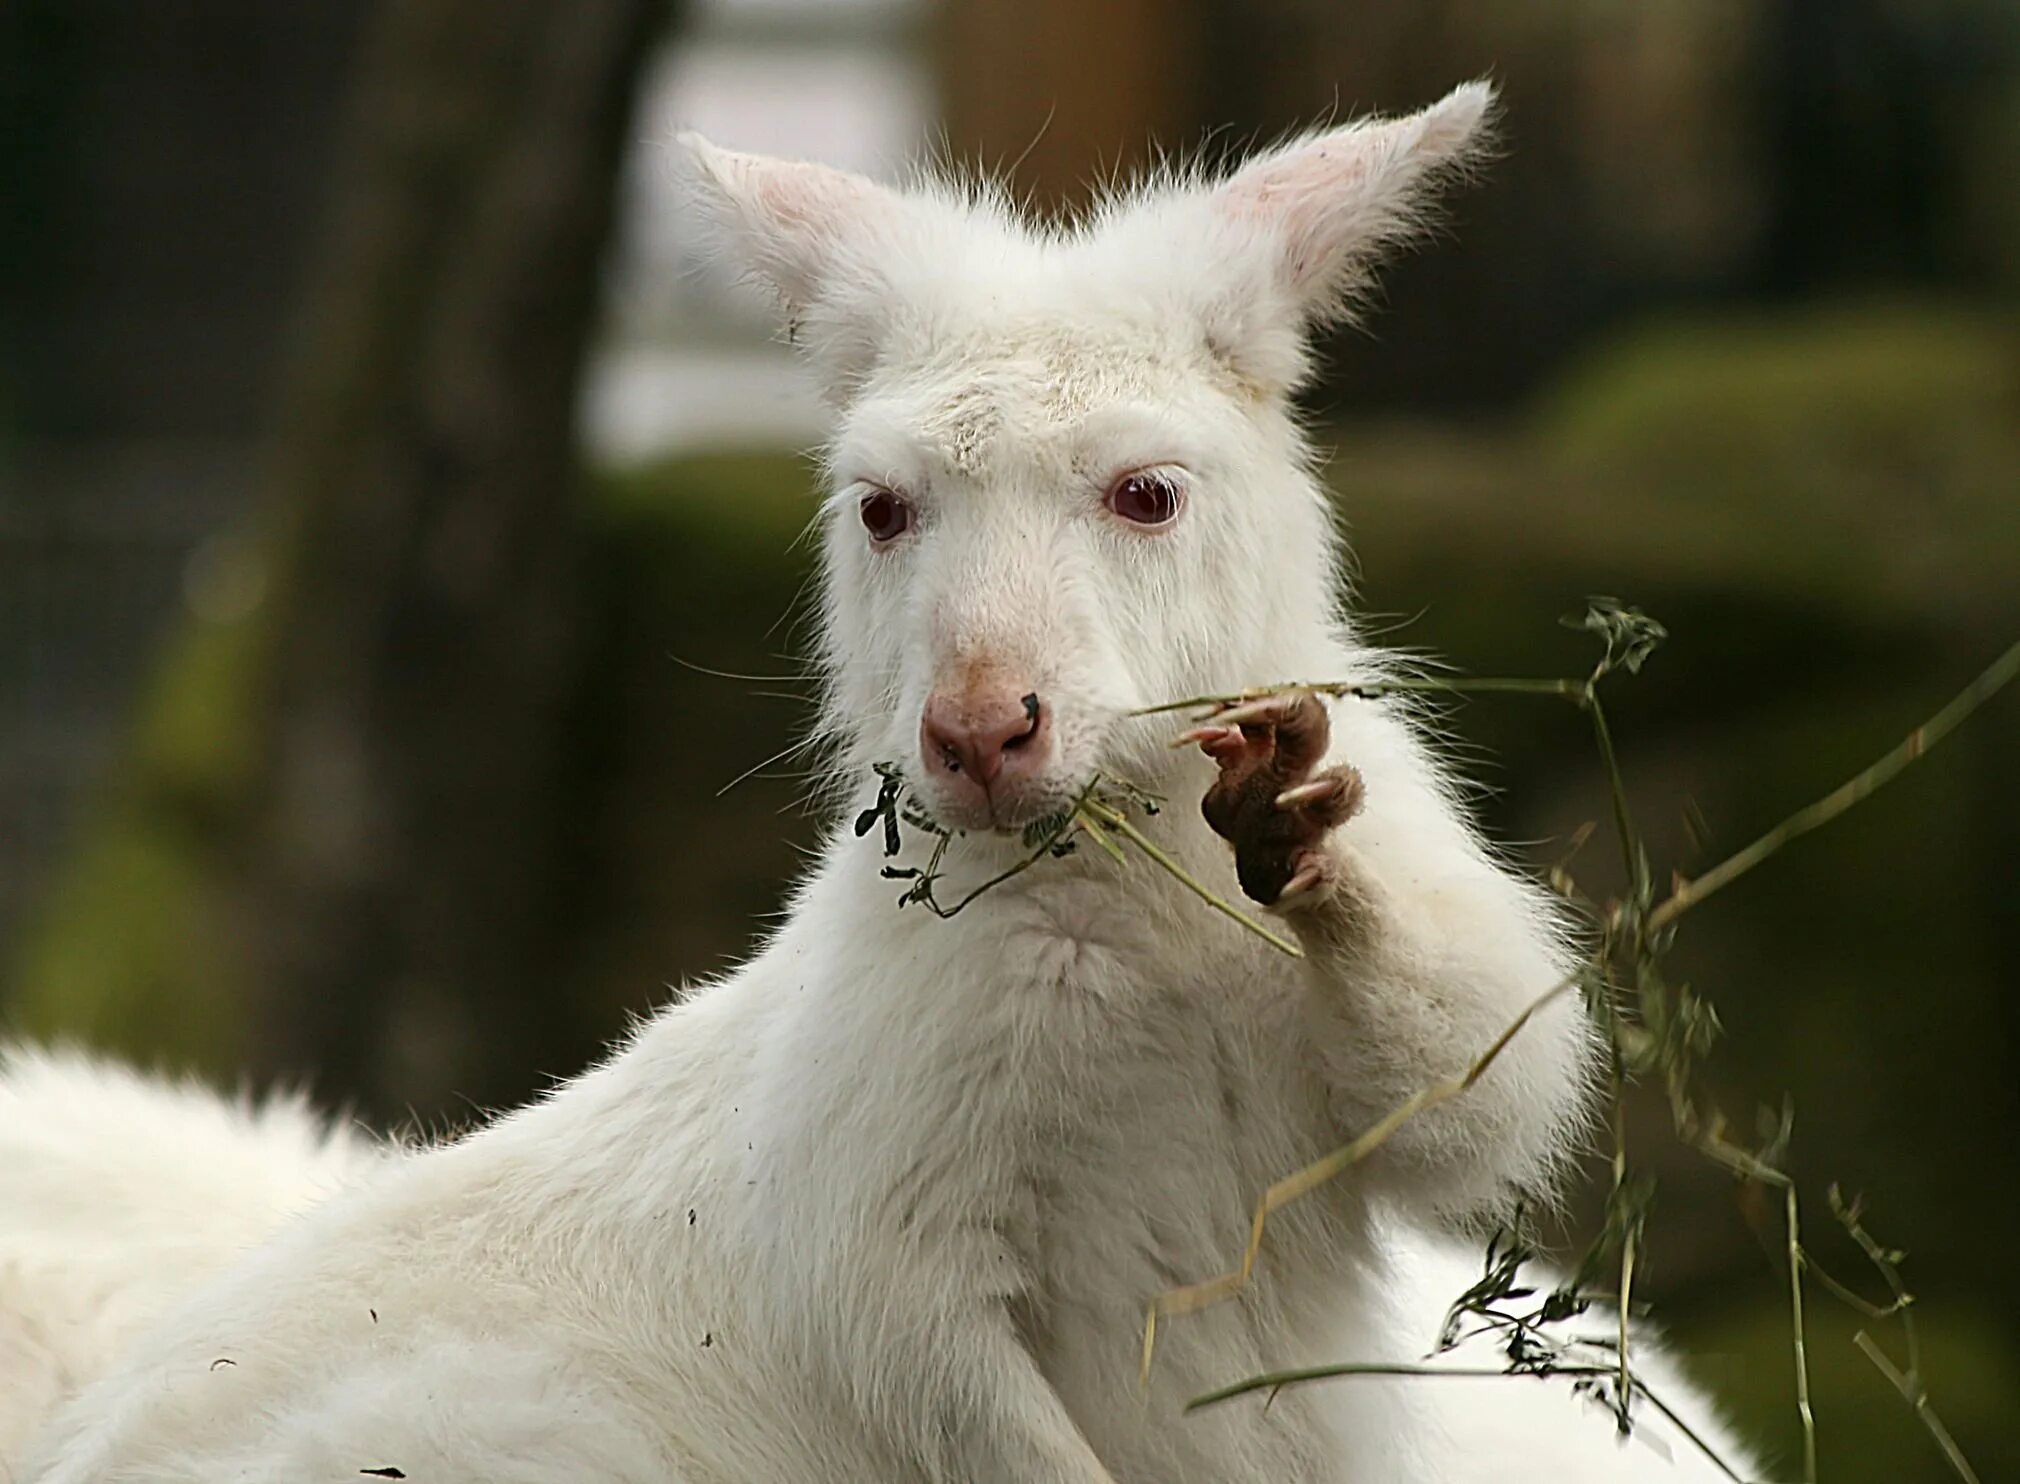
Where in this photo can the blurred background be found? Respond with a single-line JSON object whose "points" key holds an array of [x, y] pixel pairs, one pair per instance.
{"points": [[374, 452]]}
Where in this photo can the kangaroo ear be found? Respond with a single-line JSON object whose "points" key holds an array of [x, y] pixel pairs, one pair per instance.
{"points": [[1305, 225], [810, 233]]}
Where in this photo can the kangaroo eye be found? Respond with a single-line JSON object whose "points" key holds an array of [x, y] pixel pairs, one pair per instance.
{"points": [[885, 516], [1146, 498]]}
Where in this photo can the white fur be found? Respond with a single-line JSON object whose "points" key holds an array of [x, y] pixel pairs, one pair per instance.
{"points": [[889, 1201], [118, 1194]]}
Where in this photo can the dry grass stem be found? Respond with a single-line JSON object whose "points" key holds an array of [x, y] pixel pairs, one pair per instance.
{"points": [[1651, 1027], [1295, 1186]]}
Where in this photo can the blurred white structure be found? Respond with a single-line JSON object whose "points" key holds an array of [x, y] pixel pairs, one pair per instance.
{"points": [[843, 81]]}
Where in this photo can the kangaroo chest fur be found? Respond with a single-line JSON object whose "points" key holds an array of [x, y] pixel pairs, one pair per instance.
{"points": [[1060, 1105]]}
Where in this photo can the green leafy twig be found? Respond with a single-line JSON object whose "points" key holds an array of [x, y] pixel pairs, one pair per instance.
{"points": [[1493, 1305], [1100, 807], [1373, 690], [1275, 1381], [1909, 1383], [1860, 786], [1045, 837], [1669, 1032], [1096, 813]]}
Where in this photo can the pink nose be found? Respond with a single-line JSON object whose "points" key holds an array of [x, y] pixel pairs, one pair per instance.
{"points": [[983, 735]]}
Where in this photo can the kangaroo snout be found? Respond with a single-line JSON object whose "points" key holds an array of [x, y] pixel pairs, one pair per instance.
{"points": [[982, 741]]}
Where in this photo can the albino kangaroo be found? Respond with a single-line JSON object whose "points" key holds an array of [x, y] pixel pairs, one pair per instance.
{"points": [[888, 1202]]}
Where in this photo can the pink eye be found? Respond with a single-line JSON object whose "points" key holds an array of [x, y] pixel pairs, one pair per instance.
{"points": [[885, 516], [1146, 498]]}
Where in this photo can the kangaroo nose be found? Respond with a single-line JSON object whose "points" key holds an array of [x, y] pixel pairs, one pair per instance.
{"points": [[981, 736]]}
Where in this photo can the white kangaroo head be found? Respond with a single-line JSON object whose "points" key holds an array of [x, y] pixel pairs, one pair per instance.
{"points": [[1067, 479]]}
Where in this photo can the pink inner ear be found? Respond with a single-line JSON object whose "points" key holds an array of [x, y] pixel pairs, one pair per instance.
{"points": [[1331, 205], [801, 197], [794, 222], [1319, 173], [1308, 201]]}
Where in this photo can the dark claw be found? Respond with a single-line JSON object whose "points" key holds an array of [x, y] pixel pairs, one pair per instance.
{"points": [[1284, 738]]}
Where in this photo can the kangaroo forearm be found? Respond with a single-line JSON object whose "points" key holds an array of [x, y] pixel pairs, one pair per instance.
{"points": [[1414, 1000]]}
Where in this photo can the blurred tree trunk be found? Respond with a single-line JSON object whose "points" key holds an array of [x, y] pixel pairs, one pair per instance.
{"points": [[405, 851]]}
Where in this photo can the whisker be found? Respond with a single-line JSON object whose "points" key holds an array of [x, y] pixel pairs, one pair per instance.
{"points": [[755, 768], [734, 675]]}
